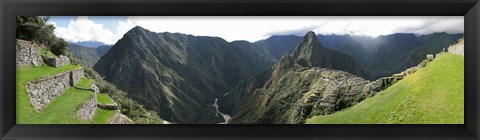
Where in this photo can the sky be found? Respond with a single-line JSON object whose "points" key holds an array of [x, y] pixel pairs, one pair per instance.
{"points": [[109, 29]]}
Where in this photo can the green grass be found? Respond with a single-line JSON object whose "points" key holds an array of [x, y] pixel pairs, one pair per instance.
{"points": [[104, 99], [47, 53], [432, 95], [85, 83], [61, 110], [103, 116], [29, 73]]}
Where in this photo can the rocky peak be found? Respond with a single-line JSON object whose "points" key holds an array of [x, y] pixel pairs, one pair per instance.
{"points": [[136, 30], [309, 50]]}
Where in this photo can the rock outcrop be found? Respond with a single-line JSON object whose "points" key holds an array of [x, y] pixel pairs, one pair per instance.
{"points": [[27, 53]]}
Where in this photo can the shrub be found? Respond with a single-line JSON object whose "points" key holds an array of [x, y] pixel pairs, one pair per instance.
{"points": [[36, 29]]}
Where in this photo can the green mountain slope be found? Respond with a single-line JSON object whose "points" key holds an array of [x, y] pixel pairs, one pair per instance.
{"points": [[434, 94], [88, 55], [179, 75]]}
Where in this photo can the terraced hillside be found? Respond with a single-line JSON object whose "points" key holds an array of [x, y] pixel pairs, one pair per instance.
{"points": [[434, 95], [57, 92]]}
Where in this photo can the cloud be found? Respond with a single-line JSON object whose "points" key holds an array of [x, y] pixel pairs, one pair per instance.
{"points": [[84, 29], [257, 28]]}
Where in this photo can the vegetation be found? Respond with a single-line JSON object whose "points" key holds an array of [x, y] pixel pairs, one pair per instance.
{"points": [[128, 107], [47, 53], [104, 99], [61, 110], [432, 95], [103, 116], [35, 28], [89, 56], [26, 74]]}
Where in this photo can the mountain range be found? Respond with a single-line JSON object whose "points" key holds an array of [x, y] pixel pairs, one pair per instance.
{"points": [[275, 80], [379, 56], [90, 44]]}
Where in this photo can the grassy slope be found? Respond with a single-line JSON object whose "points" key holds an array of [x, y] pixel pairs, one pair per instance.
{"points": [[61, 110], [432, 95], [103, 116], [104, 99]]}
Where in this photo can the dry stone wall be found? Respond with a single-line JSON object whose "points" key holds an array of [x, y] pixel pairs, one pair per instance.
{"points": [[42, 91], [57, 62], [119, 118], [88, 109], [76, 75], [458, 48], [27, 54]]}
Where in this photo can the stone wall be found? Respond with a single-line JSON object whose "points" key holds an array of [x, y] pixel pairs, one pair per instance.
{"points": [[88, 109], [44, 90], [119, 118], [57, 62], [458, 48], [75, 76], [27, 54], [113, 106]]}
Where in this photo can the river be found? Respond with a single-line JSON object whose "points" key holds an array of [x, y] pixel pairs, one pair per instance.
{"points": [[226, 117]]}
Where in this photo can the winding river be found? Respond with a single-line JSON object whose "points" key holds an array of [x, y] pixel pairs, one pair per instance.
{"points": [[226, 117]]}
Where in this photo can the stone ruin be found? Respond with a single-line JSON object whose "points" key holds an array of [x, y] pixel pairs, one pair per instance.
{"points": [[26, 53], [57, 62]]}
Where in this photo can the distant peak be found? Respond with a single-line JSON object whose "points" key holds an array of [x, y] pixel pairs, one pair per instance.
{"points": [[138, 28], [310, 34]]}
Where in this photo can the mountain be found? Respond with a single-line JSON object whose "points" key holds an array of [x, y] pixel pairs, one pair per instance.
{"points": [[277, 46], [355, 46], [89, 56], [179, 75], [300, 85], [380, 56], [91, 44], [311, 53], [396, 52], [102, 50]]}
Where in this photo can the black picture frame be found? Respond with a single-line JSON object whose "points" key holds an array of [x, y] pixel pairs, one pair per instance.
{"points": [[470, 9]]}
